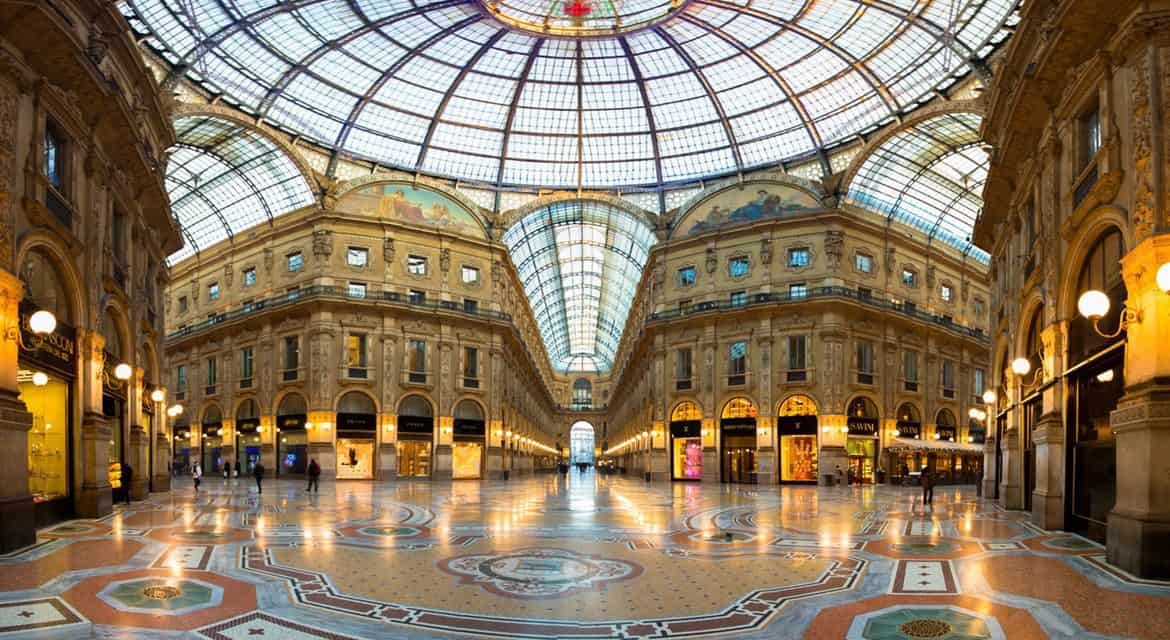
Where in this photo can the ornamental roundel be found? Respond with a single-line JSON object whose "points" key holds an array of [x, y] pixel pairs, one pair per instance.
{"points": [[538, 572]]}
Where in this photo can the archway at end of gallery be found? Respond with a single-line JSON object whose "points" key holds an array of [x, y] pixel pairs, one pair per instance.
{"points": [[582, 443]]}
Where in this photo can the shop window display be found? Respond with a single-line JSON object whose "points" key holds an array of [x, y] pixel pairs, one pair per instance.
{"points": [[688, 458], [414, 458], [465, 460], [355, 459], [799, 456], [48, 440]]}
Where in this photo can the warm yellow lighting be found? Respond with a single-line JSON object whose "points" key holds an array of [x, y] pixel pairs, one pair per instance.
{"points": [[1163, 277], [977, 414], [970, 438], [260, 429], [1093, 304], [1104, 376], [844, 429], [219, 432], [937, 437], [42, 323], [897, 433], [123, 371], [40, 379], [158, 395], [1021, 366], [989, 397], [309, 426]]}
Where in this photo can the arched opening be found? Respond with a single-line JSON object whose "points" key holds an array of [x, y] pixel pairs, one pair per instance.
{"points": [[357, 430], [686, 441], [114, 394], [906, 453], [737, 440], [582, 439], [416, 433], [582, 393], [469, 431], [211, 443], [292, 439], [909, 422], [945, 425], [247, 436], [46, 379], [797, 427], [1094, 389], [861, 443]]}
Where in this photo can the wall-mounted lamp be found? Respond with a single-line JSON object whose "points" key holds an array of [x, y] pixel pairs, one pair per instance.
{"points": [[1104, 376], [1021, 367], [977, 414], [158, 395], [1094, 305], [40, 379], [42, 323], [123, 371], [989, 397]]}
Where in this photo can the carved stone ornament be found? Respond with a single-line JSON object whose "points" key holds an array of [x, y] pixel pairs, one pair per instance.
{"points": [[1143, 200], [388, 250], [712, 260], [659, 273], [322, 244], [228, 275], [891, 257], [834, 247], [268, 258], [445, 260], [930, 276], [766, 251]]}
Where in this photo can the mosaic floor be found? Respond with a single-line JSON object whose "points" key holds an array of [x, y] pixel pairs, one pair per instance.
{"points": [[590, 557]]}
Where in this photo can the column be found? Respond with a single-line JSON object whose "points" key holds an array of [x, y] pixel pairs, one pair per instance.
{"points": [[1048, 438], [17, 517], [139, 442], [95, 499]]}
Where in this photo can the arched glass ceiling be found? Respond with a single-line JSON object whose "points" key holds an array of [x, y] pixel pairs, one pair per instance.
{"points": [[444, 87], [580, 262], [224, 177], [930, 176]]}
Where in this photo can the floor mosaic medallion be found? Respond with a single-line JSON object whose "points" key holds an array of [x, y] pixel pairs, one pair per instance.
{"points": [[539, 573]]}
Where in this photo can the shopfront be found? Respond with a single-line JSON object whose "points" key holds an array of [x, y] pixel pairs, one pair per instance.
{"points": [[905, 464], [737, 440], [114, 411], [46, 379], [686, 442], [248, 436], [181, 462], [797, 428], [357, 430], [861, 443], [211, 444], [416, 435], [469, 432], [292, 440], [1093, 392]]}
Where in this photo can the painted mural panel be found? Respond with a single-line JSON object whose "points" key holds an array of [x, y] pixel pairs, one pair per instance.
{"points": [[743, 205], [411, 205]]}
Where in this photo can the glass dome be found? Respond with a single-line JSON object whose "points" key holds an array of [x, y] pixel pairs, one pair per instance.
{"points": [[520, 93]]}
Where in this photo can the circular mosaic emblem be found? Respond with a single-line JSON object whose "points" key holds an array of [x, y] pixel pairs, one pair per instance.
{"points": [[925, 628], [1069, 543], [389, 532], [199, 535], [923, 546], [941, 623], [161, 596], [162, 592], [71, 529], [539, 573]]}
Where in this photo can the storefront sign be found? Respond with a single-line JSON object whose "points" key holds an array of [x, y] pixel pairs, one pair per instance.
{"points": [[57, 351], [357, 421], [909, 429], [211, 429], [863, 426], [415, 424], [465, 427], [686, 429], [738, 427], [796, 425], [110, 382], [247, 425], [295, 422], [945, 433]]}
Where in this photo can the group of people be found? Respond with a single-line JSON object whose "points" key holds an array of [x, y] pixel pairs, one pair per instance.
{"points": [[313, 472]]}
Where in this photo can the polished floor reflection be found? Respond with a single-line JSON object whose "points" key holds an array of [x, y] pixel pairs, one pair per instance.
{"points": [[579, 557]]}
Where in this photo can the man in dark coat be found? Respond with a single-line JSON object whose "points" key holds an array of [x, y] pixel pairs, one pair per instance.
{"points": [[314, 474], [258, 471]]}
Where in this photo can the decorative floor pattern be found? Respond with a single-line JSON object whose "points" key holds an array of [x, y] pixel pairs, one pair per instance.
{"points": [[582, 557]]}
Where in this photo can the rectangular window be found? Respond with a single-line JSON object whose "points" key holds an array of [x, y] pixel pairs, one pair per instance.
{"points": [[418, 361], [54, 157], [738, 298], [686, 276], [864, 262], [249, 276], [471, 367], [246, 365], [292, 357], [470, 306], [946, 293], [682, 369], [684, 306], [910, 370], [470, 275], [864, 362], [738, 267], [213, 291], [356, 290], [416, 265], [979, 308], [797, 358], [417, 297], [978, 385], [948, 378], [182, 304], [295, 261], [356, 355], [118, 236], [909, 278], [737, 363], [1090, 135], [181, 379], [357, 257], [212, 374], [798, 257], [798, 291]]}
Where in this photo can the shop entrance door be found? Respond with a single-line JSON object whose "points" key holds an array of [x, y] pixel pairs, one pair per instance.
{"points": [[1031, 416], [738, 441], [1092, 458]]}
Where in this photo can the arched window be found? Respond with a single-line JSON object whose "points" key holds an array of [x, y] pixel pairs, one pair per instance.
{"points": [[581, 439], [945, 418], [292, 404], [862, 407], [212, 415], [685, 412], [739, 408], [1101, 270], [468, 410], [798, 405], [44, 286], [356, 402], [1033, 344], [248, 409], [582, 393], [415, 406], [112, 334]]}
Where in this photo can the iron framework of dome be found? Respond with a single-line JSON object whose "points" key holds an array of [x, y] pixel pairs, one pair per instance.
{"points": [[519, 93]]}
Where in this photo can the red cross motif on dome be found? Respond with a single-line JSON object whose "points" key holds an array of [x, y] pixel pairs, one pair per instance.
{"points": [[577, 8]]}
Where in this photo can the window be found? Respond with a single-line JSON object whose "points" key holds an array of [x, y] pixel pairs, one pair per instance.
{"points": [[181, 379], [1090, 129], [979, 308], [357, 257], [470, 367], [356, 290], [978, 385], [416, 265], [863, 262], [417, 365], [738, 298], [246, 366], [682, 369], [249, 276], [582, 393], [684, 306], [909, 278], [910, 370], [798, 258], [797, 358], [798, 291], [738, 266], [946, 293], [470, 306], [948, 378], [470, 275], [213, 291], [54, 157], [118, 236], [295, 261], [737, 363], [356, 355], [212, 376], [182, 304], [864, 362], [417, 297], [686, 276], [292, 357]]}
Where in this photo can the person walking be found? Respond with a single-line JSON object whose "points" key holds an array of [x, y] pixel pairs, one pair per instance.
{"points": [[237, 468], [227, 469], [258, 471], [196, 474], [928, 485], [314, 474], [127, 476]]}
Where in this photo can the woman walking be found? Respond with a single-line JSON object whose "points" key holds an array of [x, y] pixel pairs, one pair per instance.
{"points": [[196, 474]]}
